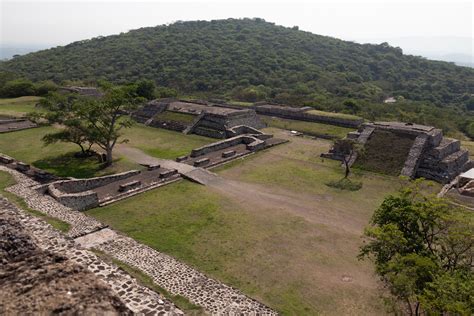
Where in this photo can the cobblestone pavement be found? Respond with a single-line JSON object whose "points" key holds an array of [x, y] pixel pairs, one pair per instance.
{"points": [[139, 299], [174, 276], [25, 188], [180, 279]]}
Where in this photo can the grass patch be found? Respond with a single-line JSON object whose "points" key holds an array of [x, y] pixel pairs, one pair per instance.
{"points": [[14, 107], [335, 115], [162, 143], [183, 303], [176, 117], [385, 152], [310, 128], [345, 184], [7, 180], [27, 146]]}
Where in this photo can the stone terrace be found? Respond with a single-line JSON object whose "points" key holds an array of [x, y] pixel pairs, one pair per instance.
{"points": [[174, 276]]}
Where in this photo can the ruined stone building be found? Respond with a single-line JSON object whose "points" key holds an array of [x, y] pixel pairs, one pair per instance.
{"points": [[408, 149], [201, 118]]}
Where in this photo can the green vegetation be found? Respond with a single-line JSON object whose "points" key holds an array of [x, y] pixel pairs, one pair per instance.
{"points": [[162, 143], [423, 251], [290, 256], [183, 303], [309, 128], [250, 60], [176, 116], [345, 184], [385, 152], [18, 106], [7, 180], [27, 146], [334, 115]]}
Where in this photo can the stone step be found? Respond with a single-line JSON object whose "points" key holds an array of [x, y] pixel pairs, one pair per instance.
{"points": [[455, 161], [414, 156], [447, 147]]}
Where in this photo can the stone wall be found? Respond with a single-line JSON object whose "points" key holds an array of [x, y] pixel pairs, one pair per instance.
{"points": [[80, 185], [77, 194], [251, 142], [301, 114]]}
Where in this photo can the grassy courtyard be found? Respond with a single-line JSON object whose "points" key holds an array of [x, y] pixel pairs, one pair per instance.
{"points": [[297, 254], [17, 107], [27, 146], [310, 128]]}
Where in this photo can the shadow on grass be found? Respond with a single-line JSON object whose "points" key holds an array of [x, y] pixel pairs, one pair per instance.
{"points": [[68, 165]]}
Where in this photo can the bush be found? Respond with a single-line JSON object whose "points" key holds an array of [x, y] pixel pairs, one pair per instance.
{"points": [[345, 184], [18, 88]]}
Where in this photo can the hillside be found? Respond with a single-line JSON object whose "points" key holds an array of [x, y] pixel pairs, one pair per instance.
{"points": [[251, 59]]}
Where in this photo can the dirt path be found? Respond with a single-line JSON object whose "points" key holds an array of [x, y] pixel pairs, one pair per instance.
{"points": [[253, 196]]}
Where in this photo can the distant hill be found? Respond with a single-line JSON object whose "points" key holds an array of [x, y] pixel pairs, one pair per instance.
{"points": [[252, 60]]}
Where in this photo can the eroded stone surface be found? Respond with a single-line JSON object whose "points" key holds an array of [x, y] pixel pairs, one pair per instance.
{"points": [[139, 299], [174, 276]]}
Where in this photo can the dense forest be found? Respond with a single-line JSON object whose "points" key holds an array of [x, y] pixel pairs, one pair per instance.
{"points": [[252, 60]]}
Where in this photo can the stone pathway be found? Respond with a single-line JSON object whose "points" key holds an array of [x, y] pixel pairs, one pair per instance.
{"points": [[180, 279], [174, 276], [139, 299], [26, 188]]}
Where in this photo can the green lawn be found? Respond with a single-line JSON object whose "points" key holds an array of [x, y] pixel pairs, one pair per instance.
{"points": [[162, 143], [27, 146], [291, 259], [18, 106], [7, 180], [176, 116], [316, 129]]}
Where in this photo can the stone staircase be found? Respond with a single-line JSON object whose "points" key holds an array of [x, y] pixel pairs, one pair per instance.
{"points": [[445, 161], [415, 156]]}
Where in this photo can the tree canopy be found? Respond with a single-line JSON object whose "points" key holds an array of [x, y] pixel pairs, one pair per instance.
{"points": [[423, 250]]}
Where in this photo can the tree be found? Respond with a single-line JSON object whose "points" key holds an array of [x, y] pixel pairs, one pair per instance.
{"points": [[421, 247], [146, 89], [90, 120], [347, 148], [73, 135], [18, 88]]}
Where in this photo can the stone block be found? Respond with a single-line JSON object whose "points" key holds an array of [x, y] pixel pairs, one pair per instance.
{"points": [[153, 167], [168, 173], [6, 159], [227, 154], [201, 162], [130, 186], [21, 166], [181, 158]]}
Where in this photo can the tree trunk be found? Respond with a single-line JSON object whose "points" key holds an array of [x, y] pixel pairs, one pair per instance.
{"points": [[346, 164], [109, 156]]}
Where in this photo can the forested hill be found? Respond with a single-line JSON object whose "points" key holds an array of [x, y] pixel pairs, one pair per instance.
{"points": [[251, 59]]}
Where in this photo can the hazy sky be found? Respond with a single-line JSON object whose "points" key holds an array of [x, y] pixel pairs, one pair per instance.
{"points": [[62, 22]]}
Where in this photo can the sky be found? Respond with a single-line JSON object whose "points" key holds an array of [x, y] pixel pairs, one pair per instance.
{"points": [[431, 27]]}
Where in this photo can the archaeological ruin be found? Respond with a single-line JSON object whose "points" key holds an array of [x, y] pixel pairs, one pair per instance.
{"points": [[407, 149], [8, 124], [198, 117]]}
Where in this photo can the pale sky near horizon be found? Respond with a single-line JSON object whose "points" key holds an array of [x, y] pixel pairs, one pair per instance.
{"points": [[61, 22]]}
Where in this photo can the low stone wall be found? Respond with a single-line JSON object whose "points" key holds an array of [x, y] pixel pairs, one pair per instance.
{"points": [[77, 201], [78, 195], [248, 140], [81, 185], [301, 114]]}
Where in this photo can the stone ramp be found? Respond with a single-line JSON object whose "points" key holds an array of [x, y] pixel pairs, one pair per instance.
{"points": [[414, 156], [201, 176]]}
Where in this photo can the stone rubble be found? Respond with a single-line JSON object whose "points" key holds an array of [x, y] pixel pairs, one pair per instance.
{"points": [[174, 276], [139, 299]]}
